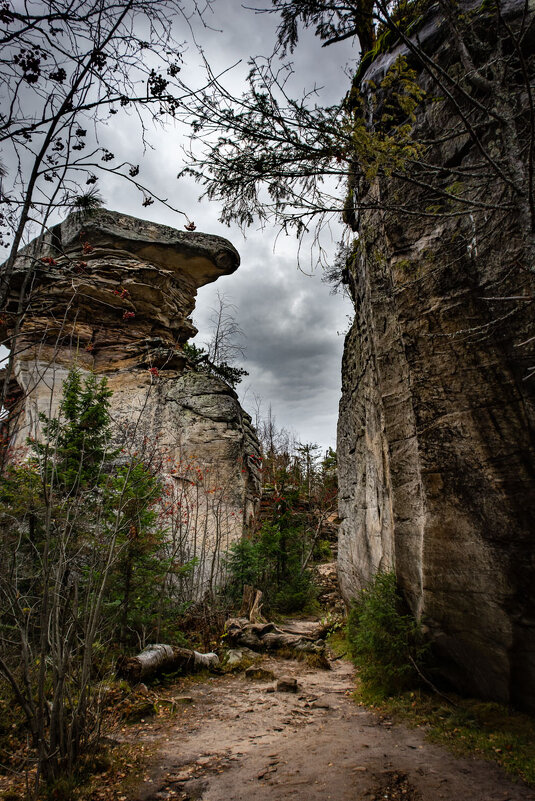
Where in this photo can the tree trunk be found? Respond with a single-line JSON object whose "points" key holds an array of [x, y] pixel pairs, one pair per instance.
{"points": [[155, 658], [268, 637], [251, 606]]}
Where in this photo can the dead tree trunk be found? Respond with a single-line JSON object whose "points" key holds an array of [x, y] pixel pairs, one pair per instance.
{"points": [[268, 637], [251, 606], [156, 658]]}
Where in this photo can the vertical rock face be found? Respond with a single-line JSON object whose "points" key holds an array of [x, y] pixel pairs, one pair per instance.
{"points": [[112, 294], [436, 445]]}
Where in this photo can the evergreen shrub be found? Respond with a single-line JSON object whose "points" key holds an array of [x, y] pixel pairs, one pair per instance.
{"points": [[272, 562], [385, 642]]}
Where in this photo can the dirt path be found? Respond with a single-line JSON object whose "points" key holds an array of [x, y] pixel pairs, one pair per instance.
{"points": [[238, 740]]}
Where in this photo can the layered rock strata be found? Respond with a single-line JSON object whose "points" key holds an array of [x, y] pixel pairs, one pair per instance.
{"points": [[113, 294], [436, 446]]}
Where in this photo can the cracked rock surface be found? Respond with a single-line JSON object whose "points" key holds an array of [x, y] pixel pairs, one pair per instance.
{"points": [[436, 452]]}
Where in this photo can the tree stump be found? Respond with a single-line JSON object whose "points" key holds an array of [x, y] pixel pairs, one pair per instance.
{"points": [[251, 606]]}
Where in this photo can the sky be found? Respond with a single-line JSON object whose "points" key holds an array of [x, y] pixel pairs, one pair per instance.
{"points": [[292, 326]]}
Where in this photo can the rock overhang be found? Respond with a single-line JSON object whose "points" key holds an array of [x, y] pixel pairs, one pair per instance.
{"points": [[201, 257]]}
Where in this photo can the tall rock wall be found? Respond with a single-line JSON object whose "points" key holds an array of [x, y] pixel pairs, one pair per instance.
{"points": [[436, 446], [113, 294]]}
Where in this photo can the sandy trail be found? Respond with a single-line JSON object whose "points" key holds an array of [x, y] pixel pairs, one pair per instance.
{"points": [[240, 741]]}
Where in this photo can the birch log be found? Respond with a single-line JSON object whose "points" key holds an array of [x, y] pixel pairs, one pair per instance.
{"points": [[155, 658]]}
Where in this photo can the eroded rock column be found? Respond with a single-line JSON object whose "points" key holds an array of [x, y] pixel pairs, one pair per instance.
{"points": [[436, 446], [112, 294]]}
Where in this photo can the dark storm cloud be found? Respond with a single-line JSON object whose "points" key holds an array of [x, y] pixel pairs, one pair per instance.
{"points": [[290, 320], [293, 350]]}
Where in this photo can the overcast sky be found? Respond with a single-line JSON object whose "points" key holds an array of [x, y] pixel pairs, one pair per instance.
{"points": [[293, 327]]}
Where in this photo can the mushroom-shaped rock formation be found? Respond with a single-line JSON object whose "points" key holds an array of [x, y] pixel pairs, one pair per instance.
{"points": [[117, 289], [113, 294]]}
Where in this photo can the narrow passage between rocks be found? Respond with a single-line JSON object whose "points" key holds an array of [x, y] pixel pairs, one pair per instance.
{"points": [[238, 739]]}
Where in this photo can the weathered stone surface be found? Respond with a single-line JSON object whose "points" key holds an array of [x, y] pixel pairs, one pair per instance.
{"points": [[237, 658], [435, 442], [116, 289], [113, 294]]}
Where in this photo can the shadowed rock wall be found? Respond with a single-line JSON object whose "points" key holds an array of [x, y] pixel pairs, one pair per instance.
{"points": [[113, 294], [436, 446]]}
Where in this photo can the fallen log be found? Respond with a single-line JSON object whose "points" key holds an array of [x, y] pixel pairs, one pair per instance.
{"points": [[156, 658], [268, 637], [314, 630]]}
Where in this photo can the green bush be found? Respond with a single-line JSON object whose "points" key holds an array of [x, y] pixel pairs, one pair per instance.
{"points": [[323, 551], [271, 562], [296, 594], [385, 642], [85, 563]]}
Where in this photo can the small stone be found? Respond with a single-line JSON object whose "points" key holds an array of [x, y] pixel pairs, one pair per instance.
{"points": [[287, 685], [233, 658], [320, 704], [259, 674]]}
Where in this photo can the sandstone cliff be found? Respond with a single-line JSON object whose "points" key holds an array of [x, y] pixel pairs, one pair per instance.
{"points": [[436, 433], [113, 294]]}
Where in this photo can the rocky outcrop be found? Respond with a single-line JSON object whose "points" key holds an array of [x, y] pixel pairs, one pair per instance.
{"points": [[115, 289], [113, 294], [436, 446]]}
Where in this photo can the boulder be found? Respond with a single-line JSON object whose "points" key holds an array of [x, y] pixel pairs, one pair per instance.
{"points": [[259, 674], [287, 685]]}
